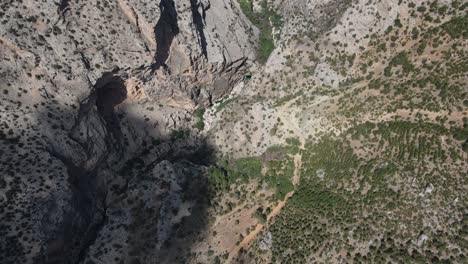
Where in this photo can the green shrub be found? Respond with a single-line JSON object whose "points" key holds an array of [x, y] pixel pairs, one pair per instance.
{"points": [[398, 23], [421, 9], [421, 48], [199, 124], [261, 217], [179, 134]]}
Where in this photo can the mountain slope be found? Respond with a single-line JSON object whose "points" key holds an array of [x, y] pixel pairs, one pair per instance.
{"points": [[249, 131]]}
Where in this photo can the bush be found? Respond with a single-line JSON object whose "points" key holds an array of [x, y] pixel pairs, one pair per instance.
{"points": [[421, 9], [199, 124], [179, 134], [261, 217]]}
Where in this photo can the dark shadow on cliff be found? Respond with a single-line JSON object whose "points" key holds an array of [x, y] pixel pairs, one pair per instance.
{"points": [[91, 190], [67, 236], [177, 249], [165, 31], [110, 91], [198, 16], [189, 156]]}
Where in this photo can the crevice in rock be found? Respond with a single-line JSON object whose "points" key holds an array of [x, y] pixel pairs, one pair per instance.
{"points": [[137, 22], [93, 235], [84, 217], [85, 107], [84, 60], [198, 16], [165, 31], [62, 8]]}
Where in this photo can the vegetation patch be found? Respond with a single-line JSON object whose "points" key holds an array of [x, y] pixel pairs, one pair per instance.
{"points": [[358, 190], [402, 60], [179, 134], [198, 114], [457, 27], [265, 20], [222, 176]]}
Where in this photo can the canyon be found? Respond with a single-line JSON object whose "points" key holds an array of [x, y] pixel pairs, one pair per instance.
{"points": [[233, 131]]}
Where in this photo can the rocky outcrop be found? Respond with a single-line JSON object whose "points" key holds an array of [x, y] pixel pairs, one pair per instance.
{"points": [[203, 49]]}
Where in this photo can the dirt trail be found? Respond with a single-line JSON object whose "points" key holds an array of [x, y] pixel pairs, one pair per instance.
{"points": [[276, 210]]}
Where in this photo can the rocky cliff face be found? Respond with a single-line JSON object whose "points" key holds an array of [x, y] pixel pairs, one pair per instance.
{"points": [[96, 101], [208, 131]]}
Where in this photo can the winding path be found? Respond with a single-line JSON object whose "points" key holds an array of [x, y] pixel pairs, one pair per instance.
{"points": [[276, 210]]}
